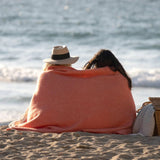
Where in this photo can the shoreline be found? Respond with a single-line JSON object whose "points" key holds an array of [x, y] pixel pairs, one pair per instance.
{"points": [[76, 145]]}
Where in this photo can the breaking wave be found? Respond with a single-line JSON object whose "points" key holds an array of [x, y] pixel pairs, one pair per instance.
{"points": [[140, 78]]}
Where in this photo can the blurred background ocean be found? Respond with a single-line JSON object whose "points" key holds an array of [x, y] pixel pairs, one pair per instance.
{"points": [[29, 29]]}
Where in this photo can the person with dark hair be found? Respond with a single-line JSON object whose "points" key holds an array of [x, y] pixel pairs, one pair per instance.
{"points": [[106, 58]]}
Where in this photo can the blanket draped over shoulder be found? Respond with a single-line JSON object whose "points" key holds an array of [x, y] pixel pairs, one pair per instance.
{"points": [[68, 100]]}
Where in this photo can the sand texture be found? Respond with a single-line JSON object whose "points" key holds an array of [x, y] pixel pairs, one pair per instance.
{"points": [[20, 145]]}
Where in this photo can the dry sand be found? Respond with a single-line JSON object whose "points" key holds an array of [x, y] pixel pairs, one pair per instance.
{"points": [[20, 145]]}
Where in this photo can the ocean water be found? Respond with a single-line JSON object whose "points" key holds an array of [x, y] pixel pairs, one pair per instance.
{"points": [[29, 29]]}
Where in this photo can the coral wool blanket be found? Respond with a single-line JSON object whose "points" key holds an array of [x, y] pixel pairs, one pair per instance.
{"points": [[66, 100]]}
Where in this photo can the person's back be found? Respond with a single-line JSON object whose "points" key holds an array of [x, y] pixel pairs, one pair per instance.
{"points": [[70, 100]]}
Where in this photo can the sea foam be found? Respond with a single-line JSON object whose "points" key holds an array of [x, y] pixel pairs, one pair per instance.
{"points": [[18, 74], [140, 78], [149, 78]]}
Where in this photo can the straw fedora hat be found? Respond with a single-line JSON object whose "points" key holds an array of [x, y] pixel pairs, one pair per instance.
{"points": [[61, 55]]}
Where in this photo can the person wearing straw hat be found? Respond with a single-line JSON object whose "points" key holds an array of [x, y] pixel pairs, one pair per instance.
{"points": [[60, 57]]}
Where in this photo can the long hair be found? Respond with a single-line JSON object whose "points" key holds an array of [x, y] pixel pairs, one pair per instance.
{"points": [[106, 58]]}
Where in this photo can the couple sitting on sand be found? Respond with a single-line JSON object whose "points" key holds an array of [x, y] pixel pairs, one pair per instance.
{"points": [[97, 99]]}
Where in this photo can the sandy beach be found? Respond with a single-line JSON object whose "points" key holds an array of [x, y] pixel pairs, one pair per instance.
{"points": [[76, 145]]}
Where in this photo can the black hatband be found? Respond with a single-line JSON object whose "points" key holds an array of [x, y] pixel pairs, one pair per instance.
{"points": [[60, 57]]}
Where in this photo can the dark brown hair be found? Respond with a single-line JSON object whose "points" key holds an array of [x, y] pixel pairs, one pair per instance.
{"points": [[106, 58]]}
